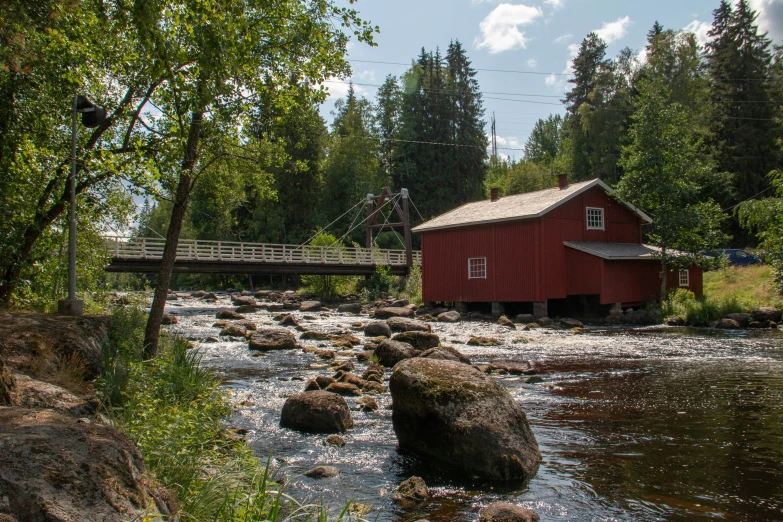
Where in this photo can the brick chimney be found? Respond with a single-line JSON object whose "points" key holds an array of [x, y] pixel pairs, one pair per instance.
{"points": [[494, 194], [562, 180]]}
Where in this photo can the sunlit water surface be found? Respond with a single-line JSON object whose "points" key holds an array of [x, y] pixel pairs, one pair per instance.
{"points": [[633, 424]]}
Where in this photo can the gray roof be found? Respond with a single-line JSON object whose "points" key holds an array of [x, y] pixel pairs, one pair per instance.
{"points": [[615, 251], [519, 206]]}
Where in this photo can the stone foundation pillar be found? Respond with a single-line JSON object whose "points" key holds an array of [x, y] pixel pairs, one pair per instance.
{"points": [[540, 310], [462, 308], [498, 309], [616, 310]]}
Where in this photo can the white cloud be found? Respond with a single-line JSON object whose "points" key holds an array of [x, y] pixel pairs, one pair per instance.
{"points": [[557, 4], [770, 17], [563, 38], [500, 29], [365, 76], [532, 63], [551, 80], [612, 31], [700, 29], [573, 50], [338, 87]]}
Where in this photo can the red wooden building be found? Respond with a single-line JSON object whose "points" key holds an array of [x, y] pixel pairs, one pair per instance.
{"points": [[572, 244]]}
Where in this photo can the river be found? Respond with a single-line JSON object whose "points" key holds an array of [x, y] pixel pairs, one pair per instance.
{"points": [[646, 424]]}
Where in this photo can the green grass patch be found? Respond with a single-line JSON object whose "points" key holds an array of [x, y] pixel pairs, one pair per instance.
{"points": [[750, 287], [177, 412]]}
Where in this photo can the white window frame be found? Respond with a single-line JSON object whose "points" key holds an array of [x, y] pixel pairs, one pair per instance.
{"points": [[684, 281], [587, 218], [470, 272]]}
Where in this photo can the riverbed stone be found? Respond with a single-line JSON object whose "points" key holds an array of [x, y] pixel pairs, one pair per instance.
{"points": [[377, 329], [244, 300], [544, 321], [451, 414], [368, 404], [316, 412], [311, 385], [312, 335], [344, 388], [374, 388], [445, 353], [675, 320], [728, 324], [334, 440], [767, 313], [483, 341], [419, 340], [350, 308], [351, 378], [742, 319], [234, 330], [505, 321], [169, 319], [567, 322], [246, 309], [309, 306], [322, 472], [387, 312], [449, 317], [525, 319], [266, 339], [231, 315], [505, 512], [391, 352], [404, 324], [413, 490]]}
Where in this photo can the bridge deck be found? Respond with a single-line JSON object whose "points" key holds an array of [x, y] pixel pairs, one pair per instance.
{"points": [[228, 257]]}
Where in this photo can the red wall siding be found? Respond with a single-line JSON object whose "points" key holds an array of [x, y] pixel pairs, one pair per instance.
{"points": [[584, 273], [640, 281]]}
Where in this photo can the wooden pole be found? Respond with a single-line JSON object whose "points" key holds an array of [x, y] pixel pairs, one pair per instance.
{"points": [[406, 223], [370, 209]]}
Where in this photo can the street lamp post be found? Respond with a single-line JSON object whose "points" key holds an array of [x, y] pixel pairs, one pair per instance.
{"points": [[92, 116]]}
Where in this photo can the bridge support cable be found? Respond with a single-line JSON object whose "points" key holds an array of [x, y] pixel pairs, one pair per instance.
{"points": [[402, 212], [332, 223], [358, 225]]}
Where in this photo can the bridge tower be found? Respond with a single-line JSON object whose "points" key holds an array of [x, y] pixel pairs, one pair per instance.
{"points": [[374, 205]]}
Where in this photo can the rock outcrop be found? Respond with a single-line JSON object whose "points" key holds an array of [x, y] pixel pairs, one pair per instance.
{"points": [[266, 339], [453, 415], [316, 412], [767, 313]]}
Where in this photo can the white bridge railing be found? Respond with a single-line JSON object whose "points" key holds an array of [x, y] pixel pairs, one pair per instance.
{"points": [[188, 249]]}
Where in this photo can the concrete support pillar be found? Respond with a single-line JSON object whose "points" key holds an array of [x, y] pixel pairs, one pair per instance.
{"points": [[616, 310], [540, 310], [498, 309], [461, 307]]}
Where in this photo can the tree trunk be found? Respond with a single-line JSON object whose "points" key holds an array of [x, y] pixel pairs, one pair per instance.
{"points": [[181, 199]]}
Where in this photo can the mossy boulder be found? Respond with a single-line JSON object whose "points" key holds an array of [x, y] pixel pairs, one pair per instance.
{"points": [[505, 512], [453, 415], [403, 324], [266, 339], [390, 311], [391, 352], [419, 340], [483, 341], [377, 329], [316, 412]]}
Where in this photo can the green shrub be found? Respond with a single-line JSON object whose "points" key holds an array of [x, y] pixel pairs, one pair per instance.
{"points": [[325, 285], [412, 289]]}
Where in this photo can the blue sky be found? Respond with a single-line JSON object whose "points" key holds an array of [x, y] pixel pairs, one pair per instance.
{"points": [[530, 36]]}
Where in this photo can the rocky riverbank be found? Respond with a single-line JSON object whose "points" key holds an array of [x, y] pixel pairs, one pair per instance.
{"points": [[60, 459]]}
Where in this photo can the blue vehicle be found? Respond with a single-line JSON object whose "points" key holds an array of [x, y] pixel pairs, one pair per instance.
{"points": [[736, 256]]}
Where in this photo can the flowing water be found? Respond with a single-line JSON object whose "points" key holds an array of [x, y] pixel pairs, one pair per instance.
{"points": [[633, 424]]}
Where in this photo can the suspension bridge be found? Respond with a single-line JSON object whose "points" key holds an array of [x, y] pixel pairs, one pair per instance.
{"points": [[144, 254]]}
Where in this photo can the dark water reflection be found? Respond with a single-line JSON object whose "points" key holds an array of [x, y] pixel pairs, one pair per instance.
{"points": [[648, 424]]}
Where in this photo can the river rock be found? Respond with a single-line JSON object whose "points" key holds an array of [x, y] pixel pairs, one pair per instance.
{"points": [[289, 320], [334, 440], [350, 378], [454, 415], [525, 319], [742, 319], [767, 313], [312, 335], [368, 404], [483, 341], [343, 388], [571, 323], [505, 512], [246, 309], [419, 340], [266, 339], [391, 352], [449, 317], [321, 472], [505, 321], [350, 308], [413, 490], [311, 385], [403, 324], [377, 328], [675, 320], [446, 353], [249, 325], [544, 321], [198, 294], [169, 319], [309, 306], [728, 324], [244, 300], [324, 381], [760, 324], [316, 412], [234, 330], [385, 313], [228, 314]]}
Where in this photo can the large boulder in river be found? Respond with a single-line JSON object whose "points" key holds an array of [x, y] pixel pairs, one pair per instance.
{"points": [[266, 339], [316, 412], [350, 308], [244, 300], [728, 324], [229, 314], [449, 317], [742, 319], [403, 324], [419, 340], [451, 414], [445, 352], [377, 329], [309, 306], [505, 512], [391, 311], [391, 352], [767, 313]]}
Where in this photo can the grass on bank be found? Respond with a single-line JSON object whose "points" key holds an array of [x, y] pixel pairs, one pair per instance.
{"points": [[176, 411], [726, 291]]}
